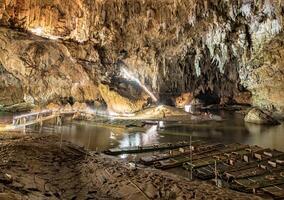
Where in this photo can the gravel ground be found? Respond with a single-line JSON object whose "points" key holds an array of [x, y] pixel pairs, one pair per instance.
{"points": [[40, 167]]}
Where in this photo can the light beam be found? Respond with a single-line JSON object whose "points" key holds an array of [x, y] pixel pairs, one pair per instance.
{"points": [[127, 75], [43, 32]]}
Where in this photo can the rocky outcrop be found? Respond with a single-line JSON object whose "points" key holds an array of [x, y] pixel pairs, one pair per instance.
{"points": [[172, 46], [160, 112], [265, 76], [118, 104], [257, 116], [39, 71]]}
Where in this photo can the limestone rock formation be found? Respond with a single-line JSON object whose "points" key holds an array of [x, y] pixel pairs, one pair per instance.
{"points": [[80, 106], [184, 99], [173, 46], [161, 111], [265, 75], [257, 116], [40, 71], [118, 104]]}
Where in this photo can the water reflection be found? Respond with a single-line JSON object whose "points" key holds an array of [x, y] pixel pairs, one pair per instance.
{"points": [[232, 129], [5, 117], [266, 136], [149, 137]]}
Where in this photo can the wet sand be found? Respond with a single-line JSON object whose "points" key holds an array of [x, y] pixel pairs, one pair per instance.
{"points": [[41, 167]]}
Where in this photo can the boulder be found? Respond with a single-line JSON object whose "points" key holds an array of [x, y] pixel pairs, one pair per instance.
{"points": [[257, 116], [120, 104], [161, 111], [80, 106], [184, 99]]}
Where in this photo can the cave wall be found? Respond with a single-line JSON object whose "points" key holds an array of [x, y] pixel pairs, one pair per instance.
{"points": [[213, 46], [40, 71]]}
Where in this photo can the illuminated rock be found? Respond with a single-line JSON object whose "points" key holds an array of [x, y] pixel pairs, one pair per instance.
{"points": [[80, 106], [184, 99], [257, 116], [161, 112], [116, 103]]}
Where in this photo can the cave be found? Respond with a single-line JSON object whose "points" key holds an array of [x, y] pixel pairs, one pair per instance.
{"points": [[99, 98]]}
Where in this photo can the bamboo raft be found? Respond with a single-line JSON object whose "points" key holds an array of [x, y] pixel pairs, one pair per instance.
{"points": [[149, 148], [242, 167], [277, 192], [252, 184], [235, 161], [202, 148], [266, 166], [202, 157]]}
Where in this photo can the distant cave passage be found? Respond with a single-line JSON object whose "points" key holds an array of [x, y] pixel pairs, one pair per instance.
{"points": [[208, 97]]}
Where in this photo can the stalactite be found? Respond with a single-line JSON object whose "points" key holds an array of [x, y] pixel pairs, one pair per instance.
{"points": [[268, 8], [246, 9], [164, 65], [202, 37], [197, 62]]}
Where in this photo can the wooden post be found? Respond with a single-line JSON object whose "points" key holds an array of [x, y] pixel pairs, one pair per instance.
{"points": [[40, 122], [24, 119], [58, 120], [216, 174], [61, 137], [190, 159]]}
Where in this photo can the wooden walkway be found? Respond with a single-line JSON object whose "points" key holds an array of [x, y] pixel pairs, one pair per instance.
{"points": [[37, 118]]}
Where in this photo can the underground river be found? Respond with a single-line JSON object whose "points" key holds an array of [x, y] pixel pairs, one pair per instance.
{"points": [[231, 129]]}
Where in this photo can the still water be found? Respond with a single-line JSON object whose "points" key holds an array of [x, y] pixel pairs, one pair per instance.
{"points": [[231, 129]]}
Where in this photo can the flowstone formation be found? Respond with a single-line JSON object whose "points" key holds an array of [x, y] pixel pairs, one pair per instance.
{"points": [[217, 48]]}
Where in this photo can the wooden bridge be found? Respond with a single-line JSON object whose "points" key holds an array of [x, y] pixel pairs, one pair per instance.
{"points": [[37, 118]]}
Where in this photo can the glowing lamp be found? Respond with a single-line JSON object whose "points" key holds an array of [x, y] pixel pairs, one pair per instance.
{"points": [[187, 108], [161, 124]]}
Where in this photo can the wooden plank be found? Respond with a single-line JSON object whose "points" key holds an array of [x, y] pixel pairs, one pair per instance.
{"points": [[277, 192]]}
